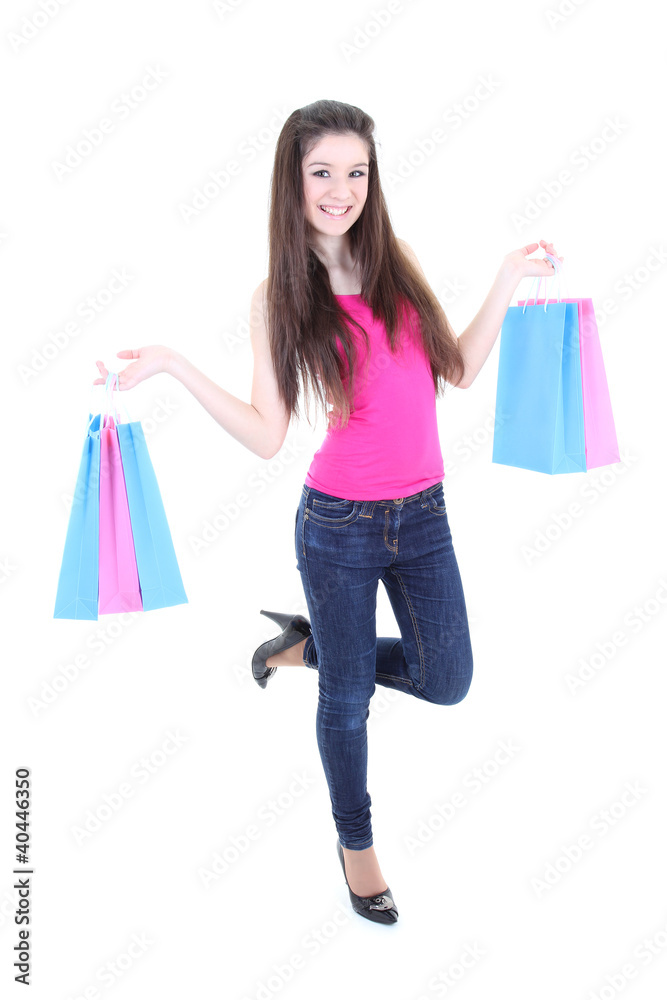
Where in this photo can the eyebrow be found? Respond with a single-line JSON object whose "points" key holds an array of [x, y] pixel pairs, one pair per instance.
{"points": [[319, 163]]}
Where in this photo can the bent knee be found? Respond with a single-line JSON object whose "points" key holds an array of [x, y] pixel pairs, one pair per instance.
{"points": [[455, 684]]}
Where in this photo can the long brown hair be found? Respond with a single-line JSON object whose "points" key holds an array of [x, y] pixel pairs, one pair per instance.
{"points": [[304, 318]]}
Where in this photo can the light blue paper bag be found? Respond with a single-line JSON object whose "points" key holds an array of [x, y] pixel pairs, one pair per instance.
{"points": [[539, 419], [159, 575], [78, 582]]}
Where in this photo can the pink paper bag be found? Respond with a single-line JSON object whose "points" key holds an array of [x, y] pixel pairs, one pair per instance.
{"points": [[118, 578], [599, 427]]}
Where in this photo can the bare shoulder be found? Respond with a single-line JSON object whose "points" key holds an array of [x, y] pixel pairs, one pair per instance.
{"points": [[259, 294], [258, 329], [265, 396], [410, 254]]}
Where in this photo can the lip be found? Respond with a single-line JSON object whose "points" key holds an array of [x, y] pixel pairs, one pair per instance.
{"points": [[348, 207]]}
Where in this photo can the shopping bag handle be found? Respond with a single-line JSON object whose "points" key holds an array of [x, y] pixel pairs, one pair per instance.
{"points": [[110, 386], [557, 267], [110, 409]]}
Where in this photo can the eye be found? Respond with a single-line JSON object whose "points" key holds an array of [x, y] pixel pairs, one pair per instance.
{"points": [[324, 171]]}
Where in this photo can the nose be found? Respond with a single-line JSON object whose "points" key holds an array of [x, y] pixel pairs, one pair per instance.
{"points": [[339, 192]]}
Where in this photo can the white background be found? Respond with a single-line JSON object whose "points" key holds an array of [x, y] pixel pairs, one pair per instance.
{"points": [[473, 887]]}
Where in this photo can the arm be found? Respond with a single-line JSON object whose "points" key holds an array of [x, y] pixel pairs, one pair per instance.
{"points": [[480, 335], [261, 425]]}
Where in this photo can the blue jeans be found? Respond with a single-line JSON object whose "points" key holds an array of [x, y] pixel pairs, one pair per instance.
{"points": [[343, 548]]}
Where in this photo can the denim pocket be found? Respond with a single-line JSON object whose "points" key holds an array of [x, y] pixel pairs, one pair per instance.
{"points": [[336, 514], [436, 500], [330, 503]]}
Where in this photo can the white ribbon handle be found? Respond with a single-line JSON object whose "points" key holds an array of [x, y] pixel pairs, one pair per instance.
{"points": [[557, 268], [110, 385]]}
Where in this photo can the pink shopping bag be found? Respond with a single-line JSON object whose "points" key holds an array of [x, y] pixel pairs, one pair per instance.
{"points": [[118, 578], [599, 427]]}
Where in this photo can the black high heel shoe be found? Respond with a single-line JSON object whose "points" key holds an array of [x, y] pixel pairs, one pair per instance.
{"points": [[294, 628], [381, 908]]}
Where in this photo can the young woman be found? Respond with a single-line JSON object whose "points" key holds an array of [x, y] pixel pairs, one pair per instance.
{"points": [[346, 311]]}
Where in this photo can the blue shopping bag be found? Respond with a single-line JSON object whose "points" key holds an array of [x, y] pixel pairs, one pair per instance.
{"points": [[539, 419], [77, 592], [159, 576]]}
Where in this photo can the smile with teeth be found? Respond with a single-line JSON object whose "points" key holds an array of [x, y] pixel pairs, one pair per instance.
{"points": [[330, 210]]}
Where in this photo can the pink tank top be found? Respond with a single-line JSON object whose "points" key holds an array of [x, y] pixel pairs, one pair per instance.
{"points": [[390, 447]]}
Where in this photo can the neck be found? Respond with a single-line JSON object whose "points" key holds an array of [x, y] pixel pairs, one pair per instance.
{"points": [[334, 252]]}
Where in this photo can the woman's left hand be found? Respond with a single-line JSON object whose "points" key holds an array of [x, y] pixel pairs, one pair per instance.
{"points": [[535, 267]]}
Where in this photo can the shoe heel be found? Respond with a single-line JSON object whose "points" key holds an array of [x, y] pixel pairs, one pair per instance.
{"points": [[278, 617]]}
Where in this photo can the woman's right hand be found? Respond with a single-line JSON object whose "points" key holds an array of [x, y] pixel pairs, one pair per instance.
{"points": [[150, 361]]}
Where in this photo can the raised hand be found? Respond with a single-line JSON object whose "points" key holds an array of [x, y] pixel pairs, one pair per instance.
{"points": [[534, 267], [149, 361]]}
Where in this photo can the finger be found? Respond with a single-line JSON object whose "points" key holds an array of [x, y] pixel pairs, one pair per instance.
{"points": [[529, 248], [548, 247], [128, 354]]}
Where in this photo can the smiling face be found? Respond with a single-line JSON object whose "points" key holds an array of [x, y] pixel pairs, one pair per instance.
{"points": [[335, 177]]}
